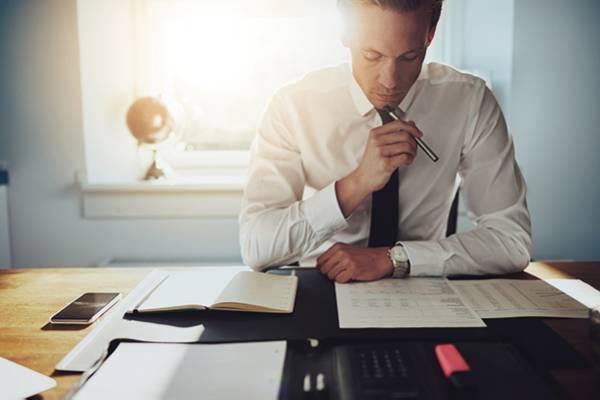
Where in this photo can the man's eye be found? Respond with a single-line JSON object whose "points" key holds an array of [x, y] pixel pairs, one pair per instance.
{"points": [[371, 56], [413, 55]]}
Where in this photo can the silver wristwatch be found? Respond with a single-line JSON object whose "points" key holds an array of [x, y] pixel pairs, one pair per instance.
{"points": [[400, 262]]}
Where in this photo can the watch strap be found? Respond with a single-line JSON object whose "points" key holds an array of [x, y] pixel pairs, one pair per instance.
{"points": [[400, 262]]}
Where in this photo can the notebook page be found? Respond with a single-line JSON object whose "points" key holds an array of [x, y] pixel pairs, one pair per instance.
{"points": [[265, 291], [189, 289]]}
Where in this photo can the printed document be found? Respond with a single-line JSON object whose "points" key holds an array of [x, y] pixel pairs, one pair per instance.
{"points": [[506, 298], [403, 303], [251, 371], [579, 290]]}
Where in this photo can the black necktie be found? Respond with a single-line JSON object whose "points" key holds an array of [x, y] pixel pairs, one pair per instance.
{"points": [[384, 209]]}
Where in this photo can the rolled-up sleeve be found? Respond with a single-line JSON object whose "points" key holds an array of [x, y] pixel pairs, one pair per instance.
{"points": [[276, 225]]}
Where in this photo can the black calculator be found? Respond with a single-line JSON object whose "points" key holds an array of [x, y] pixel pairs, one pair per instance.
{"points": [[386, 371]]}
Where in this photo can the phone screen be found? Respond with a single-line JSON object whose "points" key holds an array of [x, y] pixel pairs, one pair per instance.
{"points": [[85, 307]]}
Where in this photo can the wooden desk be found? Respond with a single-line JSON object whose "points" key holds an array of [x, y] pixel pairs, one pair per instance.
{"points": [[29, 296]]}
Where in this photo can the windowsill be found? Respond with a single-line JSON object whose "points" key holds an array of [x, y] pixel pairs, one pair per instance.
{"points": [[192, 184], [189, 197]]}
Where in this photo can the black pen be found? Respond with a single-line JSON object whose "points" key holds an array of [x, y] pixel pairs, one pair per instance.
{"points": [[422, 145]]}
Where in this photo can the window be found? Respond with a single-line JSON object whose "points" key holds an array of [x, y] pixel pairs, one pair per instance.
{"points": [[223, 60], [220, 60]]}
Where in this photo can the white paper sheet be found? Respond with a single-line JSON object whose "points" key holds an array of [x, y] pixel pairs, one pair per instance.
{"points": [[19, 382], [579, 290], [506, 298], [250, 371], [113, 326], [402, 303]]}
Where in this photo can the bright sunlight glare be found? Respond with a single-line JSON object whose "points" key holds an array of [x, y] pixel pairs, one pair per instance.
{"points": [[228, 59]]}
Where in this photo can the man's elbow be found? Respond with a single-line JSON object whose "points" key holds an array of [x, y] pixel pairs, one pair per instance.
{"points": [[251, 257], [520, 262], [260, 261], [520, 256]]}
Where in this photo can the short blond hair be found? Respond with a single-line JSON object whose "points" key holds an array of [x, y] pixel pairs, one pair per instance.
{"points": [[401, 5]]}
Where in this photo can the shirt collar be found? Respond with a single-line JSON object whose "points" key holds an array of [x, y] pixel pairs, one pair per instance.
{"points": [[364, 106], [362, 103]]}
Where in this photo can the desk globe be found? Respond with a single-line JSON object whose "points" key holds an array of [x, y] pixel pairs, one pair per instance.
{"points": [[151, 123]]}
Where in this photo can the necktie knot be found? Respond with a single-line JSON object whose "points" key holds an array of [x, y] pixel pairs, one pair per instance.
{"points": [[385, 116]]}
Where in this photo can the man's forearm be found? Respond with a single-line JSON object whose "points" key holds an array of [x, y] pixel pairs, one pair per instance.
{"points": [[276, 236], [495, 246], [350, 193]]}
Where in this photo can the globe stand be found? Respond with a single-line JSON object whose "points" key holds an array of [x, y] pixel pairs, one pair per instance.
{"points": [[154, 171], [151, 123]]}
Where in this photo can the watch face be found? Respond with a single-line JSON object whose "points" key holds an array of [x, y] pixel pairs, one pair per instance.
{"points": [[399, 254]]}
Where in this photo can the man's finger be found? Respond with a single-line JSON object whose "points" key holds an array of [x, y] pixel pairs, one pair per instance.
{"points": [[322, 259], [336, 270], [344, 276], [394, 138], [399, 148], [330, 263], [397, 126]]}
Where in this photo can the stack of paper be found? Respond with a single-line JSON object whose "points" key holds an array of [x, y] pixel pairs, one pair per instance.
{"points": [[249, 371]]}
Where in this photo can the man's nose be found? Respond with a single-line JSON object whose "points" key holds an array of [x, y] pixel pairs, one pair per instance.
{"points": [[388, 74]]}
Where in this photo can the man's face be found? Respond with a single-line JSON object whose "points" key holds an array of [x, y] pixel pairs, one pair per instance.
{"points": [[387, 48]]}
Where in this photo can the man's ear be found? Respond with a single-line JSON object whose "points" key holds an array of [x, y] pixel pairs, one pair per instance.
{"points": [[430, 35]]}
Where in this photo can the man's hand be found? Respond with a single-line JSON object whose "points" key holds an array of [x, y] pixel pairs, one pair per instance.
{"points": [[389, 147], [346, 262]]}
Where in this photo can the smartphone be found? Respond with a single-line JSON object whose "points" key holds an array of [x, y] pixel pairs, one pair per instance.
{"points": [[85, 309]]}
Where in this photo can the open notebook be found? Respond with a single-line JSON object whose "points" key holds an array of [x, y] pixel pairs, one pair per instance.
{"points": [[220, 288]]}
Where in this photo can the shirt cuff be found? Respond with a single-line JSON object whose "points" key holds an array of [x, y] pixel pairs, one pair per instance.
{"points": [[427, 258], [323, 212]]}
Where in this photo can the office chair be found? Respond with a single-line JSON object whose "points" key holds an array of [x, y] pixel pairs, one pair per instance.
{"points": [[453, 216]]}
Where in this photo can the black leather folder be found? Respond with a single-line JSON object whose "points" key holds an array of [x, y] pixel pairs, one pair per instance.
{"points": [[410, 370]]}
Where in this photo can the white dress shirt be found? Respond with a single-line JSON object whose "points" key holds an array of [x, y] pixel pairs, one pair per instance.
{"points": [[315, 131]]}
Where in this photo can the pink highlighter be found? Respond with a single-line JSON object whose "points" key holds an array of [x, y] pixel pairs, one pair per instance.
{"points": [[454, 366]]}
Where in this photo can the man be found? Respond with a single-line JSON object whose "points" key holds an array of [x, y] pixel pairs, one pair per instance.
{"points": [[324, 168]]}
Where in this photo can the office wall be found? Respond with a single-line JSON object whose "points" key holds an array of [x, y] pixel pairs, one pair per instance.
{"points": [[485, 29], [42, 140], [554, 115]]}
